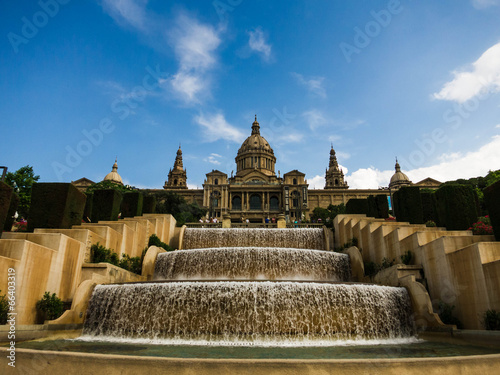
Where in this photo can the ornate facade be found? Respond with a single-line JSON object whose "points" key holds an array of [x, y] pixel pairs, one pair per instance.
{"points": [[255, 192]]}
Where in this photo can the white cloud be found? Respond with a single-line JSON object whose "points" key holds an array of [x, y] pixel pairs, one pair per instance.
{"points": [[216, 127], [482, 77], [449, 167], [482, 4], [317, 182], [213, 159], [290, 138], [257, 42], [195, 45], [498, 126], [315, 118], [313, 84], [130, 12]]}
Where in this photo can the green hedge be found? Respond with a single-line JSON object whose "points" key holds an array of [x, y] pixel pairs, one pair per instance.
{"points": [[408, 205], [456, 207], [492, 200], [429, 206], [356, 206], [5, 197], [55, 205], [378, 207], [149, 204], [14, 203], [87, 212], [105, 205], [132, 204]]}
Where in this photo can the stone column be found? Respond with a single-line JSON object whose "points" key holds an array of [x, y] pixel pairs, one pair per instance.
{"points": [[281, 221], [226, 221]]}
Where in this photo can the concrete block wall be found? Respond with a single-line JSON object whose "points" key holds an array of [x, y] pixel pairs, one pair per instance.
{"points": [[460, 269], [52, 260]]}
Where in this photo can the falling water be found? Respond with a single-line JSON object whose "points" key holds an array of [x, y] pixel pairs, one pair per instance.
{"points": [[241, 310], [299, 238], [252, 263], [250, 312]]}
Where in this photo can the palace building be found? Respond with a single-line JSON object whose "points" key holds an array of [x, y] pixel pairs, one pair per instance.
{"points": [[255, 192]]}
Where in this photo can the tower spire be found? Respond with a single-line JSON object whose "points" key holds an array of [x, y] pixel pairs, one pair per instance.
{"points": [[255, 127]]}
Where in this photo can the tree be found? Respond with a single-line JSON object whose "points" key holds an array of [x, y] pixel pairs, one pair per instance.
{"points": [[176, 205], [24, 178], [109, 185]]}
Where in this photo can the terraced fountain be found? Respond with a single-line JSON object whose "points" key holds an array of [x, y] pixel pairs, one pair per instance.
{"points": [[250, 287]]}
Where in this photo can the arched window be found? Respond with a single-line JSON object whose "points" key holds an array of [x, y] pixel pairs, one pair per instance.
{"points": [[295, 181], [336, 181], [255, 202], [274, 203], [175, 182], [236, 203], [216, 181]]}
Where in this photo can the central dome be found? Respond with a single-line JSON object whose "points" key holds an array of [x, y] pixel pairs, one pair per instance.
{"points": [[255, 142], [255, 153]]}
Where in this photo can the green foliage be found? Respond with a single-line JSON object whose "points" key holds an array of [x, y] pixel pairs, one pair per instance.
{"points": [[9, 220], [24, 178], [106, 205], [372, 268], [445, 312], [133, 264], [132, 204], [456, 206], [482, 226], [408, 205], [55, 205], [50, 306], [4, 309], [428, 198], [101, 254], [407, 257], [104, 185], [492, 201], [155, 241], [491, 320], [149, 204], [378, 206], [176, 205], [356, 206], [430, 224]]}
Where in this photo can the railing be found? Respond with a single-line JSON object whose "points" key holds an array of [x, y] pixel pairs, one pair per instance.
{"points": [[203, 225], [304, 225], [254, 225]]}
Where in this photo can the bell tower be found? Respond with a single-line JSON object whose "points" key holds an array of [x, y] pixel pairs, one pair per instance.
{"points": [[177, 176], [334, 176]]}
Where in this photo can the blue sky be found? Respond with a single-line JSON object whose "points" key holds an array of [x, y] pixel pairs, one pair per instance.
{"points": [[83, 82]]}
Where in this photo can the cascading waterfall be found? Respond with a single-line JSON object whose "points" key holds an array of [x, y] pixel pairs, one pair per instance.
{"points": [[233, 311], [252, 263], [241, 292], [298, 238]]}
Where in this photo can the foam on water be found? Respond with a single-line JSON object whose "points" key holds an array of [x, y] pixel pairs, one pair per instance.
{"points": [[252, 263], [299, 238], [248, 312]]}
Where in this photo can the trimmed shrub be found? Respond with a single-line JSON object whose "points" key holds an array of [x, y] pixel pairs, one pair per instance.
{"points": [[101, 254], [149, 204], [382, 206], [492, 200], [456, 207], [50, 307], [408, 205], [491, 320], [154, 240], [132, 204], [87, 212], [356, 206], [428, 206], [5, 197], [106, 205], [55, 205], [445, 312], [9, 220]]}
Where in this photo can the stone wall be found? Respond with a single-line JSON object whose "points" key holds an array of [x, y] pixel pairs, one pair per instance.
{"points": [[54, 260], [460, 269]]}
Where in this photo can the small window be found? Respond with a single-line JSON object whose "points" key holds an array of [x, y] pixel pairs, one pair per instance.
{"points": [[295, 181], [336, 181], [216, 182], [175, 182], [236, 203]]}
